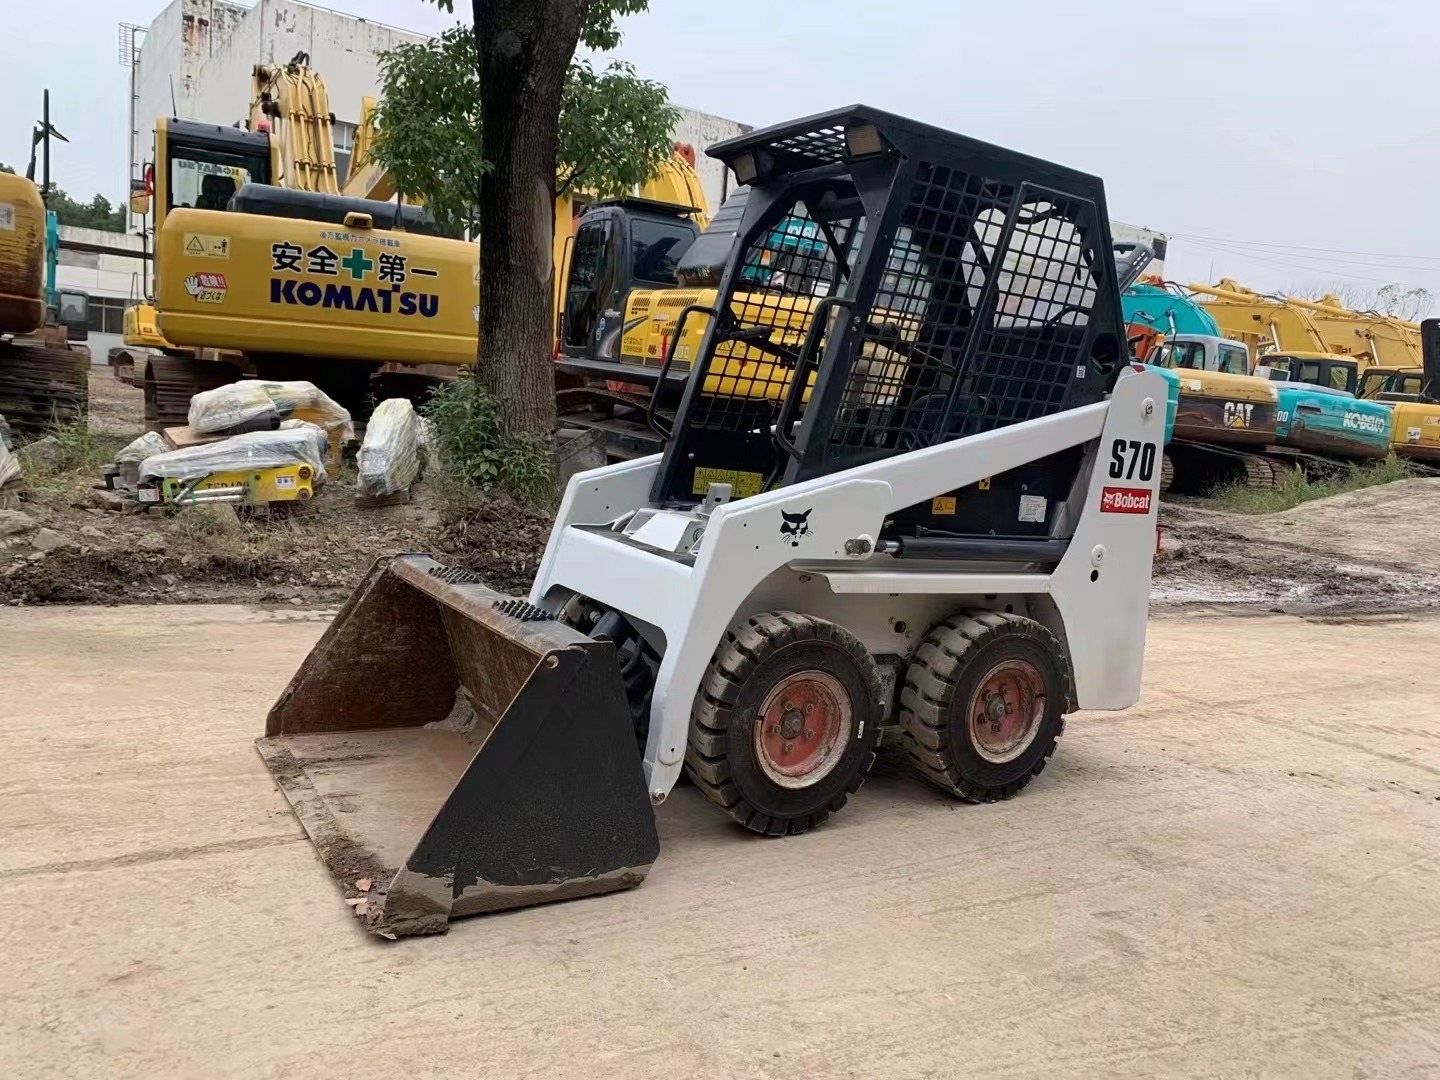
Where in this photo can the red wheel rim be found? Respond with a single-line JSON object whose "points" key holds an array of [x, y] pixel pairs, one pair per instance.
{"points": [[1006, 710], [802, 728]]}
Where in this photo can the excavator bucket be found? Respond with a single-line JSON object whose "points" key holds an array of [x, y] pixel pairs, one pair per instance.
{"points": [[450, 751]]}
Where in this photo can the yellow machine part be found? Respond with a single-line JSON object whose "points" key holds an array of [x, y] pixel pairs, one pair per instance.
{"points": [[263, 284], [287, 483], [1416, 432], [1220, 384], [292, 101], [367, 178], [1295, 325], [22, 256], [740, 370], [677, 184], [142, 327]]}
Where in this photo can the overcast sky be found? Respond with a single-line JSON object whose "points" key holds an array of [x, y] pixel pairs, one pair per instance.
{"points": [[1282, 142]]}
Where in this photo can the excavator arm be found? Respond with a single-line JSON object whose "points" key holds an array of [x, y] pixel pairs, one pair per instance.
{"points": [[291, 103]]}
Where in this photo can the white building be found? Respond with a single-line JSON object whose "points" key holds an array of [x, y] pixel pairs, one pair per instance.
{"points": [[98, 263], [195, 61]]}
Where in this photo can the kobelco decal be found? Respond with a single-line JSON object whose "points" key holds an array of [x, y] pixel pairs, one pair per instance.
{"points": [[387, 296], [1375, 425]]}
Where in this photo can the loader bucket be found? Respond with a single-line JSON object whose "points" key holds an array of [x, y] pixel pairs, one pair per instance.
{"points": [[450, 751]]}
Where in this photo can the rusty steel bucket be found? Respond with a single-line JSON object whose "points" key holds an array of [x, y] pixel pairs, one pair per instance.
{"points": [[451, 751]]}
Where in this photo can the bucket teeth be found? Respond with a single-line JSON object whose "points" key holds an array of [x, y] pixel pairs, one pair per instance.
{"points": [[522, 610]]}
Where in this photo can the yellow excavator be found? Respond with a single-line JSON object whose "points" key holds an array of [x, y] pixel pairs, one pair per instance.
{"points": [[1325, 326], [1369, 354], [44, 368], [257, 255]]}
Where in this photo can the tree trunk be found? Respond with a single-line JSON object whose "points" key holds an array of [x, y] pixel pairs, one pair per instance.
{"points": [[524, 48]]}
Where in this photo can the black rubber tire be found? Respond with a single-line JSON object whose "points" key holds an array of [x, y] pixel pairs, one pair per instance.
{"points": [[721, 757], [939, 682]]}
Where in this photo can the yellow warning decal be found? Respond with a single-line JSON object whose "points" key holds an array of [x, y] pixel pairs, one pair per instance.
{"points": [[984, 485], [942, 504], [742, 484], [206, 246]]}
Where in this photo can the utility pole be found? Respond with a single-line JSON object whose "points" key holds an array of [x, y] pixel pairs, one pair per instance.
{"points": [[41, 138]]}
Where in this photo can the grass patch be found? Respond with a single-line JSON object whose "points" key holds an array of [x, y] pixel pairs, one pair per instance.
{"points": [[1296, 488], [235, 546], [70, 464], [479, 455]]}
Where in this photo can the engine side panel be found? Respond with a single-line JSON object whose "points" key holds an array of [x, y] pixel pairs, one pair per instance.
{"points": [[280, 285]]}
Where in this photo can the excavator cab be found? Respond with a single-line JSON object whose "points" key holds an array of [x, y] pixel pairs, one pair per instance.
{"points": [[621, 245], [1328, 372], [72, 311], [203, 165]]}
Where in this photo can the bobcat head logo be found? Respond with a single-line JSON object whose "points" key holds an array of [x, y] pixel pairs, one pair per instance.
{"points": [[794, 526]]}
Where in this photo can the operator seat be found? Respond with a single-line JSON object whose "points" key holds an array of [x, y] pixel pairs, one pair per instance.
{"points": [[215, 192]]}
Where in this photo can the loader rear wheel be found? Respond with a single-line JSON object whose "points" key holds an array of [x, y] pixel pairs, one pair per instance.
{"points": [[786, 721], [983, 702]]}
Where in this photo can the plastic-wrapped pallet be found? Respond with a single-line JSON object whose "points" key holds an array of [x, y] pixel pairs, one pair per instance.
{"points": [[306, 401], [262, 401], [300, 445], [147, 445], [235, 405], [9, 465], [128, 460], [389, 458]]}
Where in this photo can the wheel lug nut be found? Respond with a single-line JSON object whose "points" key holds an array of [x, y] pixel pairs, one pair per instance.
{"points": [[809, 734], [789, 746], [787, 705], [809, 707]]}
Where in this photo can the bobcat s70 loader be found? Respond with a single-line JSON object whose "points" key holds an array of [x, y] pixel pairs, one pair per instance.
{"points": [[932, 516]]}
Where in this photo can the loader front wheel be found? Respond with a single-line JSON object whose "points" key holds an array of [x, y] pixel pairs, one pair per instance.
{"points": [[983, 702], [785, 724]]}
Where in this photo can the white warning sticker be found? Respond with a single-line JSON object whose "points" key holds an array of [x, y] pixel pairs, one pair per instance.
{"points": [[7, 216], [1032, 508], [207, 246]]}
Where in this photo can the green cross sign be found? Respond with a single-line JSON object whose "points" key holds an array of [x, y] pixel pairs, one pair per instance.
{"points": [[357, 263]]}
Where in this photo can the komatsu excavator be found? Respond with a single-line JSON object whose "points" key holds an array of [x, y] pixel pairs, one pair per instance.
{"points": [[261, 266], [951, 549]]}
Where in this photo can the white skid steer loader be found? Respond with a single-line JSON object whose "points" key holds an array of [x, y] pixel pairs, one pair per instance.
{"points": [[910, 490]]}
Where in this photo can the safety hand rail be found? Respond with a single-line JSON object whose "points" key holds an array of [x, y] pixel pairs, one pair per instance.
{"points": [[798, 379], [652, 409]]}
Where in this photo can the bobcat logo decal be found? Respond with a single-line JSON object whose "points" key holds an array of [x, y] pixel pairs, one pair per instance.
{"points": [[794, 526]]}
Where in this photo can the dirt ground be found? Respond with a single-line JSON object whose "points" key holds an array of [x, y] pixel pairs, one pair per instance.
{"points": [[1362, 553], [1237, 878], [102, 551], [1368, 551]]}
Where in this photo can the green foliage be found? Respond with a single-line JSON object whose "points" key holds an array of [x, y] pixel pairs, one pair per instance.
{"points": [[615, 127], [96, 214], [478, 454], [601, 31], [1295, 488], [429, 124]]}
